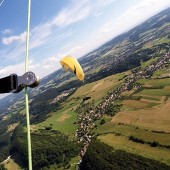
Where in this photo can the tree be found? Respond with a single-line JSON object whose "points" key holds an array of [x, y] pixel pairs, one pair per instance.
{"points": [[102, 121], [2, 167]]}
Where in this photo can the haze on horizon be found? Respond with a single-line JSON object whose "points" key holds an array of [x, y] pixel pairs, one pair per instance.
{"points": [[60, 28]]}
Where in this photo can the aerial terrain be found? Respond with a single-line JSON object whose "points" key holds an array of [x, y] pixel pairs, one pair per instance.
{"points": [[118, 117]]}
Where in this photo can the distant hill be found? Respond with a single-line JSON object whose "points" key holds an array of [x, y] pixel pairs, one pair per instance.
{"points": [[134, 34], [126, 83], [108, 59]]}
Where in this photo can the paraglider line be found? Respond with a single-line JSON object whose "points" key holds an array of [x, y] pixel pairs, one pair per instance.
{"points": [[26, 91], [2, 2]]}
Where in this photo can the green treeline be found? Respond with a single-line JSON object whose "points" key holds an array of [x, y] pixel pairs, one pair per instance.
{"points": [[14, 118], [4, 146], [113, 109], [153, 144], [2, 167], [5, 136], [100, 156], [53, 92], [48, 147], [131, 61], [41, 110]]}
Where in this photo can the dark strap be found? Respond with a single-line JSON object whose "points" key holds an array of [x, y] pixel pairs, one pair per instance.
{"points": [[8, 84], [15, 84]]}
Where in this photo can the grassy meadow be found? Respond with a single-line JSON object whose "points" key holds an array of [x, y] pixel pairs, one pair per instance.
{"points": [[64, 119], [122, 142], [146, 118]]}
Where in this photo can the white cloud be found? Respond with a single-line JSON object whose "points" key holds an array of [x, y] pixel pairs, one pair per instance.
{"points": [[131, 17], [66, 46], [135, 15], [77, 11], [7, 31], [6, 71], [40, 34], [50, 62], [43, 34], [74, 12], [18, 69], [45, 67], [16, 38], [75, 50]]}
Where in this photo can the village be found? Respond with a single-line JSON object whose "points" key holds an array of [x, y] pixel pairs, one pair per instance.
{"points": [[87, 117]]}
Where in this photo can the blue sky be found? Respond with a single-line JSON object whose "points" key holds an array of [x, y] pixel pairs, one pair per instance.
{"points": [[64, 27]]}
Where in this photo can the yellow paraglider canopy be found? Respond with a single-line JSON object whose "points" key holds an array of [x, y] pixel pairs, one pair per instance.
{"points": [[72, 63]]}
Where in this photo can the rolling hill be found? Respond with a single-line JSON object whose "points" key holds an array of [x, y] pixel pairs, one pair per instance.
{"points": [[124, 102]]}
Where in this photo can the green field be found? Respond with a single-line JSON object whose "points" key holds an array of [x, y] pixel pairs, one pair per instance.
{"points": [[147, 32], [136, 116], [117, 136], [155, 42], [64, 119], [138, 104], [165, 71], [147, 63], [97, 90], [127, 131], [163, 40], [141, 119], [151, 98], [122, 142], [155, 92], [156, 83]]}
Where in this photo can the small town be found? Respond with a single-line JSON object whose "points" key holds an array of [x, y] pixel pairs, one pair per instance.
{"points": [[86, 120], [85, 85]]}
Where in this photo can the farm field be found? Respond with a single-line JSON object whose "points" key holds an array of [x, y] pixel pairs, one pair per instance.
{"points": [[152, 98], [156, 118], [147, 124], [156, 83], [143, 124], [138, 104], [146, 118], [128, 130], [129, 111], [155, 92], [64, 119], [145, 115], [99, 89], [121, 142], [142, 118]]}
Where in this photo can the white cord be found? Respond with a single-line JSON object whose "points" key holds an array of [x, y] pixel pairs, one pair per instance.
{"points": [[2, 2]]}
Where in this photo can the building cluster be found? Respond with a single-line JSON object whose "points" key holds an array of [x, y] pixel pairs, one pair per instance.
{"points": [[62, 95], [88, 116]]}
